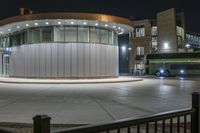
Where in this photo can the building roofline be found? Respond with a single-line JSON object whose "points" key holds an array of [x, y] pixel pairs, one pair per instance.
{"points": [[69, 15]]}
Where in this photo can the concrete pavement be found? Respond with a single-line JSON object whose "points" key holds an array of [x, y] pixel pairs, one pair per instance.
{"points": [[93, 103]]}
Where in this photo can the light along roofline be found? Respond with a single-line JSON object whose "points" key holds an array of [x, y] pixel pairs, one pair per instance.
{"points": [[80, 16]]}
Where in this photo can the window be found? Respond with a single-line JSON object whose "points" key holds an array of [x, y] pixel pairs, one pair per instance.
{"points": [[59, 34], [139, 66], [4, 41], [140, 32], [83, 34], [36, 37], [23, 37], [115, 39], [180, 32], [94, 35], [154, 44], [29, 36], [15, 39], [12, 40], [179, 40], [154, 31], [140, 51], [111, 37], [47, 34], [104, 36], [70, 34]]}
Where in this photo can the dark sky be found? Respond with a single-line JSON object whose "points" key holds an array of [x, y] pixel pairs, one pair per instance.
{"points": [[139, 9]]}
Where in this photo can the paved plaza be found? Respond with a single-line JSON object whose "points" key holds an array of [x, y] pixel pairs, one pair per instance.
{"points": [[94, 103]]}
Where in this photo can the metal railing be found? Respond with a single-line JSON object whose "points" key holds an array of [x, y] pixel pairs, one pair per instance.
{"points": [[125, 125], [178, 121]]}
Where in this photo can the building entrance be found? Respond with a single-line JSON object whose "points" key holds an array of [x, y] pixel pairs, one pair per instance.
{"points": [[5, 65]]}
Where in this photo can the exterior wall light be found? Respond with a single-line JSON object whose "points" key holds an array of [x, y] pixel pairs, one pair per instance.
{"points": [[166, 45], [187, 45], [47, 23], [1, 32], [84, 23], [9, 30], [72, 22], [96, 24], [129, 49], [106, 25], [27, 25], [36, 24], [59, 22], [18, 27], [123, 48]]}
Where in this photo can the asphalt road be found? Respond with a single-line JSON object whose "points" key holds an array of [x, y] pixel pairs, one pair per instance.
{"points": [[94, 103]]}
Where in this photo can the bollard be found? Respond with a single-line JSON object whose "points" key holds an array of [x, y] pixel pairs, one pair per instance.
{"points": [[41, 124], [195, 116]]}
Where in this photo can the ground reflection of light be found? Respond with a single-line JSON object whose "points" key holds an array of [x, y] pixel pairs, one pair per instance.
{"points": [[161, 77], [165, 89], [181, 82]]}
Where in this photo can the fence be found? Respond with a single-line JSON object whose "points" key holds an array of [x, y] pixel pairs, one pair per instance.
{"points": [[187, 120]]}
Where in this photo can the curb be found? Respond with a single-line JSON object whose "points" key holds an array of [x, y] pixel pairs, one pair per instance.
{"points": [[74, 82]]}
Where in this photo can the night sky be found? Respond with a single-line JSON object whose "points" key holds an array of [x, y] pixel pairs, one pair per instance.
{"points": [[138, 9]]}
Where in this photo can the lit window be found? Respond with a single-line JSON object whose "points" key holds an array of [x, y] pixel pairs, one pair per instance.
{"points": [[139, 66], [154, 31], [140, 51], [140, 32], [94, 35]]}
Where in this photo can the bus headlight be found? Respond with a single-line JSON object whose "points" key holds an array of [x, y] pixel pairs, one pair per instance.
{"points": [[182, 71], [161, 71]]}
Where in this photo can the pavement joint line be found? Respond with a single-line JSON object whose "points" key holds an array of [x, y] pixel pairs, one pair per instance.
{"points": [[135, 106], [102, 107], [143, 94]]}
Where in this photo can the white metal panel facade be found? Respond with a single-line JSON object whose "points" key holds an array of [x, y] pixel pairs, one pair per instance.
{"points": [[64, 60]]}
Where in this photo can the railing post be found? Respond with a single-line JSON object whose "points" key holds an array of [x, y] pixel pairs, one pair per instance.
{"points": [[41, 124], [196, 116]]}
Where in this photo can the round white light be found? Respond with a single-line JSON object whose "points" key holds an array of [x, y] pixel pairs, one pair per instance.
{"points": [[166, 45], [123, 48], [119, 28], [84, 23], [106, 25], [182, 71], [27, 25], [36, 24], [9, 30], [114, 26], [59, 22], [161, 71], [72, 22], [47, 23], [187, 45], [96, 24], [129, 49], [18, 27], [1, 32]]}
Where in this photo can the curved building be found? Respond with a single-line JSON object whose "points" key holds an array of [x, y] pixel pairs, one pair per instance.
{"points": [[61, 45]]}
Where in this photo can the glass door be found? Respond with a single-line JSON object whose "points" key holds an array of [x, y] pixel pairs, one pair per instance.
{"points": [[5, 65]]}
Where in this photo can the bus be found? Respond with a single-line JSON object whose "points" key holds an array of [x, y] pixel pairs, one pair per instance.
{"points": [[173, 64]]}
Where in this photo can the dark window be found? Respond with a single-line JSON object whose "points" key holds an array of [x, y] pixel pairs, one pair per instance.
{"points": [[185, 66]]}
